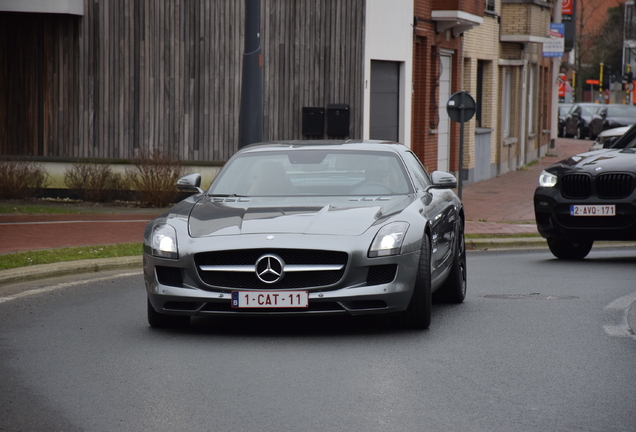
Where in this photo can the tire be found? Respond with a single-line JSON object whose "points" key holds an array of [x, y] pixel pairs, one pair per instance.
{"points": [[159, 320], [454, 288], [570, 249], [418, 314], [579, 133]]}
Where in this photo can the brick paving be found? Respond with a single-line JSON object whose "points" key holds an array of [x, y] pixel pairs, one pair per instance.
{"points": [[501, 205]]}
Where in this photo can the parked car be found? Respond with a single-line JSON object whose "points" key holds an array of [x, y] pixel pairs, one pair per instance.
{"points": [[610, 117], [309, 228], [607, 138], [564, 109], [577, 121], [588, 197]]}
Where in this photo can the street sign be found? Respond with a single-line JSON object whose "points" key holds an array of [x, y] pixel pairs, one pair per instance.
{"points": [[460, 108], [561, 85], [458, 103]]}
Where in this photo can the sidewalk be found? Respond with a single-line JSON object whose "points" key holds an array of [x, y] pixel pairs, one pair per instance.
{"points": [[501, 205]]}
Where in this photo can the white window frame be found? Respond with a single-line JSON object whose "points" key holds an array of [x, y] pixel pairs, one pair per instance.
{"points": [[531, 96], [507, 102]]}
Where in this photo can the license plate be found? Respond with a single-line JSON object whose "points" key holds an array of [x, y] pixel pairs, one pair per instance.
{"points": [[270, 299], [593, 210]]}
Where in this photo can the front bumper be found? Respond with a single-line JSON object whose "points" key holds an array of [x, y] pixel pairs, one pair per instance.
{"points": [[354, 294], [552, 214]]}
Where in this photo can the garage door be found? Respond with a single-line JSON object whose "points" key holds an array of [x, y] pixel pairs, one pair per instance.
{"points": [[385, 100]]}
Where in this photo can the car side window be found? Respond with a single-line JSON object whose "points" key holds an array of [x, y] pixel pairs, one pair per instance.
{"points": [[418, 173]]}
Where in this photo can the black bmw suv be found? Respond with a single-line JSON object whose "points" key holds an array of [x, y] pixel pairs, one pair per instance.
{"points": [[590, 196]]}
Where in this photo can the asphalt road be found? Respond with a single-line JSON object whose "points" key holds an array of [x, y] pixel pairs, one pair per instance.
{"points": [[539, 345]]}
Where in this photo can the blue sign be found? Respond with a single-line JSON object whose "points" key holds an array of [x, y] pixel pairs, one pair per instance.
{"points": [[556, 46]]}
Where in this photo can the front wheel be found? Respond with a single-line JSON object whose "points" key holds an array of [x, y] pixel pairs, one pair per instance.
{"points": [[454, 288], [418, 313], [579, 133], [565, 248]]}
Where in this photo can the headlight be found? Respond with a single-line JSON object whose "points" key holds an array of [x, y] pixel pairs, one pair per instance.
{"points": [[388, 241], [164, 242], [547, 180]]}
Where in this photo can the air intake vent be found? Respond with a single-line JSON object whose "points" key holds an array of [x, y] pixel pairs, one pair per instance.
{"points": [[381, 274], [170, 276]]}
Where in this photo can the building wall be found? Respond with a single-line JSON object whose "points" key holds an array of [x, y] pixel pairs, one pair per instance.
{"points": [[389, 37], [139, 75], [482, 44], [429, 45]]}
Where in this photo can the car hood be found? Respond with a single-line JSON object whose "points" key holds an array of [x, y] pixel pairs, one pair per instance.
{"points": [[292, 215], [620, 120], [600, 161]]}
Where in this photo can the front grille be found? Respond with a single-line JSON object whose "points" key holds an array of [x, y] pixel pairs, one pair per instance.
{"points": [[170, 276], [614, 186], [249, 257], [576, 186], [381, 274]]}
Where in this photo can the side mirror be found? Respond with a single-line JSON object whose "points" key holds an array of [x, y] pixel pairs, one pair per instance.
{"points": [[190, 183], [443, 180]]}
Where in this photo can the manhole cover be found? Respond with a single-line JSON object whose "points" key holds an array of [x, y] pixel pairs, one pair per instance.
{"points": [[533, 296]]}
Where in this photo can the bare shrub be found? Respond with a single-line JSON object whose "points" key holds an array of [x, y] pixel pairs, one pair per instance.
{"points": [[154, 178], [92, 181], [21, 179]]}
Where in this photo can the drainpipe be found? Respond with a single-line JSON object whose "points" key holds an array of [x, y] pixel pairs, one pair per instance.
{"points": [[524, 100]]}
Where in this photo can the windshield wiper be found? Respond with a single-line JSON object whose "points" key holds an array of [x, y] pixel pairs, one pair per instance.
{"points": [[227, 196]]}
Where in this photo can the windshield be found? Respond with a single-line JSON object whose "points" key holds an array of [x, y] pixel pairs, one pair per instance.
{"points": [[627, 140], [621, 111], [589, 110], [306, 172]]}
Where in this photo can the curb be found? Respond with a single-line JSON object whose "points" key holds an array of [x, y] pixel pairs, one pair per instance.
{"points": [[506, 243], [43, 271]]}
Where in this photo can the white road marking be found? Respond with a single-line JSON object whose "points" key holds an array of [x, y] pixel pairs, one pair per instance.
{"points": [[43, 290], [621, 304]]}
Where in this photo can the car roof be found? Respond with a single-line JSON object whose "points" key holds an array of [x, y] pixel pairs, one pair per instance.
{"points": [[366, 145]]}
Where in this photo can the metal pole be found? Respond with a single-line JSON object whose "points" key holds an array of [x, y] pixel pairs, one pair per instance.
{"points": [[251, 114], [462, 107]]}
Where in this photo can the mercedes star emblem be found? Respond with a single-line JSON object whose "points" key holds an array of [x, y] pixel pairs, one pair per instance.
{"points": [[270, 268]]}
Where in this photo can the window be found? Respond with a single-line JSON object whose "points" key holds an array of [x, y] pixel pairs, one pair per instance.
{"points": [[506, 103], [490, 5], [420, 176], [531, 97], [480, 92]]}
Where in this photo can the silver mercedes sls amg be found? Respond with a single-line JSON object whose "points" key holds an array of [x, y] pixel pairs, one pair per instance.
{"points": [[309, 228]]}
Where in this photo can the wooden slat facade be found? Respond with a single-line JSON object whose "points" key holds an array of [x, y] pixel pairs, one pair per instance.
{"points": [[132, 76]]}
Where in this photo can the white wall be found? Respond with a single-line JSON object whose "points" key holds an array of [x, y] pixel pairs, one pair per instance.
{"points": [[389, 37]]}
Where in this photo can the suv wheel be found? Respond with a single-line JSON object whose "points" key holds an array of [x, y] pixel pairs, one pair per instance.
{"points": [[571, 249]]}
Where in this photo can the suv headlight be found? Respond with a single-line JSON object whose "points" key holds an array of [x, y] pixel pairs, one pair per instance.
{"points": [[388, 241], [163, 242], [547, 180]]}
